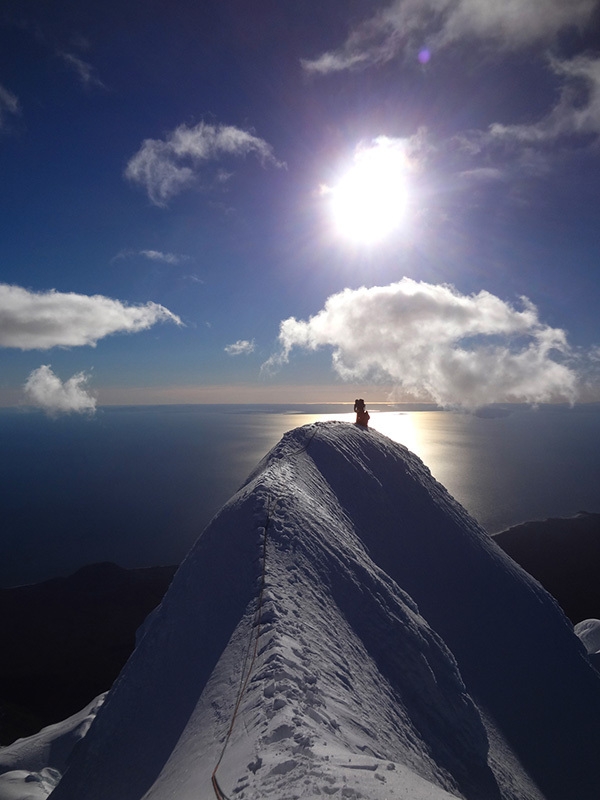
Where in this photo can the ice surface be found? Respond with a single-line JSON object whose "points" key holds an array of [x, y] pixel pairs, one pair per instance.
{"points": [[343, 628]]}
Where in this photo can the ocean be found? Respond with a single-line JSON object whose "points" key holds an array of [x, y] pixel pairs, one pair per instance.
{"points": [[137, 484]]}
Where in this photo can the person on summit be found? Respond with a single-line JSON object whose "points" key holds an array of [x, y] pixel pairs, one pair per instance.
{"points": [[362, 415]]}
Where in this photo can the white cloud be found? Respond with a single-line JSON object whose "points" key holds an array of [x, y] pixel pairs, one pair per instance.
{"points": [[45, 390], [404, 25], [152, 255], [166, 167], [574, 122], [40, 320], [85, 71], [241, 347], [432, 341], [514, 23], [576, 113], [157, 255], [9, 104], [482, 175]]}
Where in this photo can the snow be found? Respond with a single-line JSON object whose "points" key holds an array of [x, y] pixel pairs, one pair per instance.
{"points": [[21, 784], [589, 633], [25, 773], [343, 628]]}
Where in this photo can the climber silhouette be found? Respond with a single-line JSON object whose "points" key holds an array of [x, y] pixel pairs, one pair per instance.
{"points": [[362, 415]]}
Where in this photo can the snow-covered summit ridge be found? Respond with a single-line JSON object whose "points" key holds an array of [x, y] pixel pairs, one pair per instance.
{"points": [[374, 628]]}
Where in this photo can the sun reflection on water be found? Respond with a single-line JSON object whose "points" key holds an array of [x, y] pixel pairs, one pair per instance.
{"points": [[503, 470], [441, 440], [400, 426]]}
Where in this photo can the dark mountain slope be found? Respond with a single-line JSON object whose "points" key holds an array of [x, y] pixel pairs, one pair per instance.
{"points": [[564, 556]]}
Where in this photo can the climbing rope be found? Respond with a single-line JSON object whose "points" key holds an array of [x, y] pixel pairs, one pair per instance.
{"points": [[245, 678], [246, 673]]}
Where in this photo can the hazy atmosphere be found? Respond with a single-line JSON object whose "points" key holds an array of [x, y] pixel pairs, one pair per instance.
{"points": [[265, 201]]}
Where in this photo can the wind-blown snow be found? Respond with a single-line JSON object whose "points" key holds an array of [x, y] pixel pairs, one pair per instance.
{"points": [[589, 633], [30, 768], [379, 644]]}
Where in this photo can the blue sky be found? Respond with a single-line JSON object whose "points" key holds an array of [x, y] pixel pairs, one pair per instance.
{"points": [[238, 201]]}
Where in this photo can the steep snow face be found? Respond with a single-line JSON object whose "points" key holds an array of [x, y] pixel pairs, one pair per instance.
{"points": [[289, 658], [515, 649]]}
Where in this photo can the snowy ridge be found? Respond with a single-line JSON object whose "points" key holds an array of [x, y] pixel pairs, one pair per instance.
{"points": [[352, 693], [31, 768]]}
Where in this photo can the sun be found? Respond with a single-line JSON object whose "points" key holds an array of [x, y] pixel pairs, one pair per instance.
{"points": [[369, 201]]}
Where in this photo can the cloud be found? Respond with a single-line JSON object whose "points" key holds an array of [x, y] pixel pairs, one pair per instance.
{"points": [[45, 390], [165, 167], [157, 255], [534, 149], [41, 320], [577, 112], [85, 71], [152, 255], [9, 104], [482, 175], [241, 347], [432, 341], [514, 23], [403, 26]]}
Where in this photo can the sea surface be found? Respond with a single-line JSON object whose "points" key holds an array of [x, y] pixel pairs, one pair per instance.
{"points": [[136, 485]]}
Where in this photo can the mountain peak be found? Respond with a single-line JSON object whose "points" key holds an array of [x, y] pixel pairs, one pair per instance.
{"points": [[344, 627]]}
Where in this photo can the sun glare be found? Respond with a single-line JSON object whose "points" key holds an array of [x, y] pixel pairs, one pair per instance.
{"points": [[369, 200]]}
